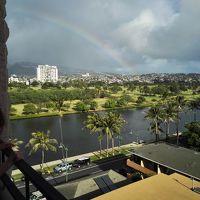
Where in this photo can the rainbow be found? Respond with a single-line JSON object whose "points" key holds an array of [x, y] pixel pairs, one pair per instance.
{"points": [[93, 39]]}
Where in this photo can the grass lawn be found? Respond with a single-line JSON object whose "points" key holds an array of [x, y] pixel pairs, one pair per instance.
{"points": [[46, 170], [104, 154], [149, 101], [19, 108], [101, 102]]}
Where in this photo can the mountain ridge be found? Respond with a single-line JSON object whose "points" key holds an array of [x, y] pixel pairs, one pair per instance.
{"points": [[26, 68]]}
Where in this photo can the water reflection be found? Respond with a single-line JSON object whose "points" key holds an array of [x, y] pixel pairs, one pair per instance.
{"points": [[78, 139]]}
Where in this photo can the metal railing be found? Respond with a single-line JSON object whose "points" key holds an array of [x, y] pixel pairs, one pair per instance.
{"points": [[32, 176]]}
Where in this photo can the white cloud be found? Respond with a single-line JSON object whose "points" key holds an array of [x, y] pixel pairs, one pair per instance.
{"points": [[146, 34], [136, 33]]}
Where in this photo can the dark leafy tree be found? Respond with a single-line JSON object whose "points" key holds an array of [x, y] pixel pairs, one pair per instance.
{"points": [[131, 87], [93, 105], [81, 106], [126, 98], [115, 88], [29, 109], [146, 90], [110, 103], [28, 96], [35, 83], [58, 97], [121, 102], [13, 111], [140, 100], [48, 85], [50, 105], [66, 85], [194, 105], [159, 90], [192, 134], [174, 88], [103, 94]]}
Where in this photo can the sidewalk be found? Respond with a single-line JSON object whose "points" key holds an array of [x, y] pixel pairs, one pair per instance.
{"points": [[70, 159]]}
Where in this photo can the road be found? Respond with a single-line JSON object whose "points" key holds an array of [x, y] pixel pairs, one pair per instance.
{"points": [[76, 173]]}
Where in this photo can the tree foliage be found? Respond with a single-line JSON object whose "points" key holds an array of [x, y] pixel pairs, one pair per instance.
{"points": [[154, 114], [81, 106], [13, 111], [168, 116], [94, 125], [194, 105], [41, 141], [107, 125], [29, 109], [193, 134], [140, 99], [110, 103]]}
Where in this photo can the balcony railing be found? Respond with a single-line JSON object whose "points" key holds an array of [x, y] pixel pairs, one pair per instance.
{"points": [[31, 176]]}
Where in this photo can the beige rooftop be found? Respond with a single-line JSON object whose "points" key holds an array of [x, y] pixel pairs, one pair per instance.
{"points": [[158, 187]]}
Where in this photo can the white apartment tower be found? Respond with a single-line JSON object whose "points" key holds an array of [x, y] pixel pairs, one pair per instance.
{"points": [[46, 73]]}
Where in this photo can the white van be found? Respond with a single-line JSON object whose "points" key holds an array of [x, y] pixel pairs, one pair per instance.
{"points": [[37, 195]]}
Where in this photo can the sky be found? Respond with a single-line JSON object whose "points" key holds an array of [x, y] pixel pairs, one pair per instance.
{"points": [[120, 36]]}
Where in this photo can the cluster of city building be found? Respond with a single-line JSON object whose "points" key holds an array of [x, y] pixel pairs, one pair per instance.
{"points": [[44, 73], [47, 73]]}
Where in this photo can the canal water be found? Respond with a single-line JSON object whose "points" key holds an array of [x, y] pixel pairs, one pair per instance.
{"points": [[77, 139]]}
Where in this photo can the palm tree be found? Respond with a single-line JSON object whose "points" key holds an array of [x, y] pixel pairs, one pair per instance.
{"points": [[41, 141], [168, 116], [155, 115], [155, 128], [194, 106], [94, 124], [15, 142], [106, 131], [112, 124], [178, 105]]}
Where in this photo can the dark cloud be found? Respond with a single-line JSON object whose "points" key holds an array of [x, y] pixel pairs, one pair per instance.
{"points": [[137, 36]]}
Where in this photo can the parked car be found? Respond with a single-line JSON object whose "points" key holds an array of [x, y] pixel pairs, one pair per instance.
{"points": [[81, 161], [141, 142], [37, 195], [62, 167]]}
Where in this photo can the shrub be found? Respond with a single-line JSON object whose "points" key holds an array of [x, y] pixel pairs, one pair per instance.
{"points": [[140, 100], [29, 109]]}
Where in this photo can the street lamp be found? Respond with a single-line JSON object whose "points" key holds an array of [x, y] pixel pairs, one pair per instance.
{"points": [[119, 137], [61, 132], [63, 147]]}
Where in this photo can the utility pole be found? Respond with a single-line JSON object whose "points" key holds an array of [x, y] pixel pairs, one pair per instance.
{"points": [[63, 147]]}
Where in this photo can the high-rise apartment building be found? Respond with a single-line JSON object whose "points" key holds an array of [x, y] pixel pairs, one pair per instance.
{"points": [[47, 73]]}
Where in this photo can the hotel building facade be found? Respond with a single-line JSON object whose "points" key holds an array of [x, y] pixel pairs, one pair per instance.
{"points": [[46, 73]]}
